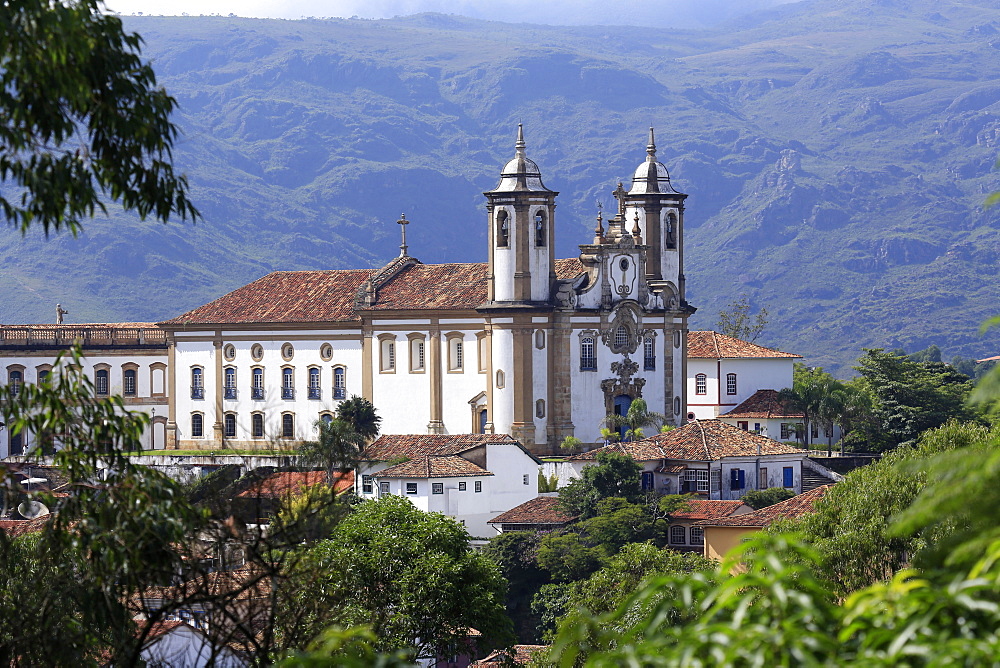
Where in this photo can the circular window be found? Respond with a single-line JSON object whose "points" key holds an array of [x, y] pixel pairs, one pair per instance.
{"points": [[257, 352], [326, 352], [229, 352], [287, 352], [623, 264]]}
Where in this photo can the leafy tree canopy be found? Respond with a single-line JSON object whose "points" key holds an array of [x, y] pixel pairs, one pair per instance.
{"points": [[360, 414], [762, 498], [408, 575], [81, 119], [613, 475], [736, 321]]}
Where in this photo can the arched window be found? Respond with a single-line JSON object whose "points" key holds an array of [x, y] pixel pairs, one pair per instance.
{"points": [[101, 382], [387, 348], [288, 383], [416, 353], [456, 352], [677, 405], [257, 425], [540, 408], [44, 375], [197, 425], [540, 234], [697, 536], [678, 535], [501, 379], [128, 382], [257, 385], [730, 383], [15, 379], [701, 384], [670, 233], [649, 353], [540, 339], [229, 423], [229, 383], [326, 418], [588, 356], [197, 383], [339, 382], [314, 385], [287, 425], [503, 229]]}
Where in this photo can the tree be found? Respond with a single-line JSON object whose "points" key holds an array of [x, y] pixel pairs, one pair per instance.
{"points": [[735, 320], [336, 448], [613, 475], [762, 498], [81, 119], [360, 414], [515, 553], [410, 576], [909, 397], [635, 419], [811, 389]]}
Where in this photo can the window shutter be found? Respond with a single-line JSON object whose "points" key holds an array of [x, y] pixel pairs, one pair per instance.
{"points": [[742, 480]]}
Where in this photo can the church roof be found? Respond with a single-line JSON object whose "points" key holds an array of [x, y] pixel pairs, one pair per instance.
{"points": [[330, 296], [764, 404], [699, 441], [713, 345]]}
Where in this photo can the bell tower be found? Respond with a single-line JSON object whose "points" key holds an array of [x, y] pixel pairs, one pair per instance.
{"points": [[521, 216]]}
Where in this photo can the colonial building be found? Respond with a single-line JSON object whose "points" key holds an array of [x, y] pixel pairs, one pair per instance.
{"points": [[523, 344]]}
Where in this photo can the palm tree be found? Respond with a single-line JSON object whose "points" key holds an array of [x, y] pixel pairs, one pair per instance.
{"points": [[809, 387], [637, 417], [337, 448]]}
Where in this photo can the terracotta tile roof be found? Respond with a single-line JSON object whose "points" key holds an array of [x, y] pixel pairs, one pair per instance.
{"points": [[285, 483], [284, 296], [706, 509], [672, 468], [713, 345], [540, 510], [244, 583], [330, 296], [700, 441], [519, 654], [789, 509], [763, 405], [159, 628], [433, 466], [396, 446], [15, 528]]}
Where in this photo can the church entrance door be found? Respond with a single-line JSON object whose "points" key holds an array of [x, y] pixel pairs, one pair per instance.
{"points": [[622, 403]]}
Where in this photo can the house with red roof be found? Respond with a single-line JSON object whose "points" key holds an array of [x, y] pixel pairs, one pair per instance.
{"points": [[723, 372], [684, 532], [710, 458], [470, 477], [722, 534], [542, 513]]}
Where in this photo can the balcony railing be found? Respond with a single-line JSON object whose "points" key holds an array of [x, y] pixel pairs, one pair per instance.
{"points": [[197, 392], [649, 364], [257, 393], [288, 393], [229, 392], [314, 393], [588, 364], [339, 393]]}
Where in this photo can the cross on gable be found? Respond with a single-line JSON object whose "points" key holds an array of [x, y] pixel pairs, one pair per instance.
{"points": [[619, 194]]}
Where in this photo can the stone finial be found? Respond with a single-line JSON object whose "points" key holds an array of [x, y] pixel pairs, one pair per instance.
{"points": [[403, 222], [519, 144], [599, 230], [651, 147], [636, 232]]}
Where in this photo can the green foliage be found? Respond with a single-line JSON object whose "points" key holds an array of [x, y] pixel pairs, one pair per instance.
{"points": [[82, 119], [637, 417], [547, 483], [908, 398], [735, 320], [762, 498], [550, 605], [515, 553], [360, 414], [570, 443], [345, 648], [613, 475], [337, 447], [817, 394], [408, 575], [310, 514], [569, 556]]}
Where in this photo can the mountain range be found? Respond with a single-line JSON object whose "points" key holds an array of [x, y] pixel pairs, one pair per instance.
{"points": [[837, 154]]}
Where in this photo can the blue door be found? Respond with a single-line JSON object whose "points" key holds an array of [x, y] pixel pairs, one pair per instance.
{"points": [[482, 421], [787, 475], [622, 403]]}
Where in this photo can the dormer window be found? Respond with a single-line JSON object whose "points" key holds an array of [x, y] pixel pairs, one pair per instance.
{"points": [[503, 229], [540, 229]]}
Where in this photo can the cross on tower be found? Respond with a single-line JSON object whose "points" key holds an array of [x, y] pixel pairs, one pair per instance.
{"points": [[403, 222], [619, 194]]}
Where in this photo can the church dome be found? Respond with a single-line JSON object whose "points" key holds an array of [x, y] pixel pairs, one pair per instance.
{"points": [[651, 176], [521, 172]]}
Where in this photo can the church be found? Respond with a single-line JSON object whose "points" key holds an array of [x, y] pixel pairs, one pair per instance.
{"points": [[523, 344]]}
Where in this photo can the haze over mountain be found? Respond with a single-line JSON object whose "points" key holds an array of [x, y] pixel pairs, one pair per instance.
{"points": [[836, 153]]}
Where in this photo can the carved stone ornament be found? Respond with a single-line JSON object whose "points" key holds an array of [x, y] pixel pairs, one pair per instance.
{"points": [[624, 319], [624, 384]]}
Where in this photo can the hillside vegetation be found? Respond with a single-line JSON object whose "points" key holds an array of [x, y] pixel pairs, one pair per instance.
{"points": [[837, 153]]}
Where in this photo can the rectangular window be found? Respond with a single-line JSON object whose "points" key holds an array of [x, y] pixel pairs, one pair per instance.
{"points": [[731, 383], [702, 480], [459, 355], [411, 488], [287, 383], [697, 536], [366, 484], [588, 356], [287, 425], [437, 488], [462, 486], [762, 479], [417, 355], [479, 485], [383, 489], [339, 383], [701, 384], [690, 482], [229, 383], [649, 354], [128, 383], [314, 385], [745, 426], [197, 383], [388, 355], [716, 480], [257, 425], [647, 480], [787, 476], [786, 431], [737, 479], [814, 428], [230, 425], [678, 535], [257, 388]]}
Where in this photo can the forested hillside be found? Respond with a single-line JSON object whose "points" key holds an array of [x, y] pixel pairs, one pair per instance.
{"points": [[837, 154]]}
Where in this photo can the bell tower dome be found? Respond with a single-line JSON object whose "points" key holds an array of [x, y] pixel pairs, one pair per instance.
{"points": [[521, 217]]}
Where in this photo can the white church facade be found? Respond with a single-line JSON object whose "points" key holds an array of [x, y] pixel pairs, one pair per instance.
{"points": [[523, 344]]}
